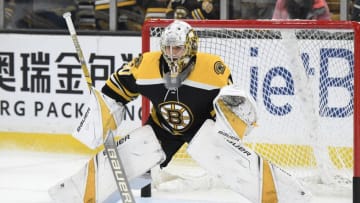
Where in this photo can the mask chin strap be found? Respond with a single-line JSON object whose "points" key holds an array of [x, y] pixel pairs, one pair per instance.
{"points": [[172, 83]]}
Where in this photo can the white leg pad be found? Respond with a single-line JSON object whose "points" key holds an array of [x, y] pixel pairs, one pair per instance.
{"points": [[242, 169], [139, 152]]}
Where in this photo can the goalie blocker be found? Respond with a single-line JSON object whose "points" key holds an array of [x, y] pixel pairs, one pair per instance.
{"points": [[218, 148]]}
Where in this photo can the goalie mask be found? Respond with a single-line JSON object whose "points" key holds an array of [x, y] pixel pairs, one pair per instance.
{"points": [[178, 45]]}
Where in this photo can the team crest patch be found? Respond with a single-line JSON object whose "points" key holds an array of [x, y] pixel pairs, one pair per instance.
{"points": [[219, 67], [178, 115]]}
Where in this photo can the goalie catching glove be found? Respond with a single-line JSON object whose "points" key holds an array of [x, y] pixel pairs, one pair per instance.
{"points": [[235, 110]]}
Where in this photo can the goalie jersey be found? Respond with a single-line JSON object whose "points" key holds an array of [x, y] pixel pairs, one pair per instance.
{"points": [[181, 111]]}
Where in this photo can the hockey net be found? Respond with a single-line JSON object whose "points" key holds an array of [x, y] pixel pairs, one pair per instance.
{"points": [[301, 74]]}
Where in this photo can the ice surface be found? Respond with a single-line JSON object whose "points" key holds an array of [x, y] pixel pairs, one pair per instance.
{"points": [[25, 177]]}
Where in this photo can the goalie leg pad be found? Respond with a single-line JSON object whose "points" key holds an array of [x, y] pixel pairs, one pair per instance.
{"points": [[139, 152], [242, 169]]}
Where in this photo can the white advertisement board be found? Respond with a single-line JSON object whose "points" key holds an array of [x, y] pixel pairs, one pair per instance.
{"points": [[42, 88], [41, 84]]}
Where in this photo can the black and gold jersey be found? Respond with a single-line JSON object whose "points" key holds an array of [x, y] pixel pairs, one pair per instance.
{"points": [[180, 111]]}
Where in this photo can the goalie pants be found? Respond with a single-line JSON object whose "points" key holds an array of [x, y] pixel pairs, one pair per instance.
{"points": [[169, 143]]}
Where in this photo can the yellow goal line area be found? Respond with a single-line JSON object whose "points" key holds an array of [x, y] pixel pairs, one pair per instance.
{"points": [[291, 155]]}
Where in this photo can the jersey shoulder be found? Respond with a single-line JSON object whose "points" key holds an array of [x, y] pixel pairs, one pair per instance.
{"points": [[146, 66], [210, 70]]}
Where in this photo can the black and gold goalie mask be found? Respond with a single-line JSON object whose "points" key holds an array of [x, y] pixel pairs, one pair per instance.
{"points": [[179, 45]]}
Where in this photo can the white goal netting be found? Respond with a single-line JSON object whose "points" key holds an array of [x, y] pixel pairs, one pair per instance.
{"points": [[302, 78]]}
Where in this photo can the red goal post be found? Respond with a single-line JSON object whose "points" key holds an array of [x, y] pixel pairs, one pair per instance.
{"points": [[260, 33]]}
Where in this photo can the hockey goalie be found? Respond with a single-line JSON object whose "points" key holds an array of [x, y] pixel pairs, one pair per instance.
{"points": [[193, 101]]}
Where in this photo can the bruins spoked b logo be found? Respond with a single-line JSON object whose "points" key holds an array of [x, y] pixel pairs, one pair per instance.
{"points": [[219, 67], [177, 114]]}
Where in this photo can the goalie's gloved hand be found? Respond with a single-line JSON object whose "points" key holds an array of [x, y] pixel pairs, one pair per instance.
{"points": [[242, 106], [240, 103], [235, 110], [233, 100]]}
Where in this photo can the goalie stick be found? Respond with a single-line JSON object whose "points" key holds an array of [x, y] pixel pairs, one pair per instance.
{"points": [[122, 182]]}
